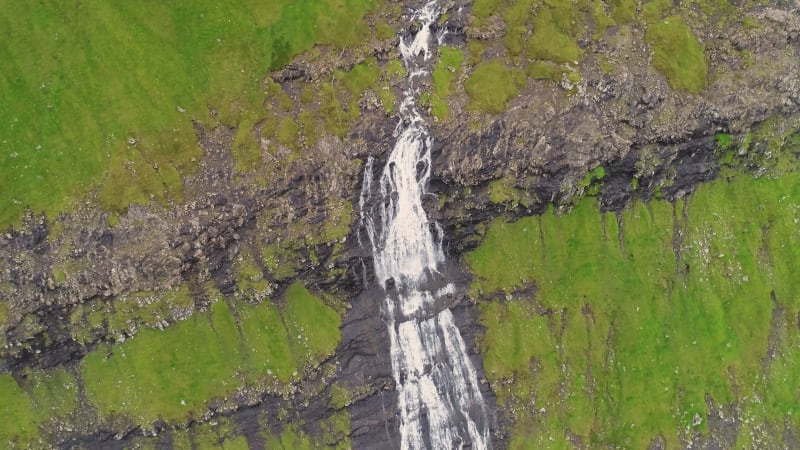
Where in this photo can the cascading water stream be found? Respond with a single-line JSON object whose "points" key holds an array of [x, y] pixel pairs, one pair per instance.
{"points": [[441, 406]]}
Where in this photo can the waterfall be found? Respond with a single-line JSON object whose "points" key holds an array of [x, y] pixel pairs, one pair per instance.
{"points": [[441, 406]]}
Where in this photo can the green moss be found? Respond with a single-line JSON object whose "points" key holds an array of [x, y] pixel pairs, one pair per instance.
{"points": [[340, 396], [503, 191], [539, 70], [337, 225], [517, 19], [336, 431], [331, 111], [383, 31], [356, 81], [771, 149], [3, 314], [249, 278], [388, 99], [166, 374], [684, 324], [491, 85], [496, 264], [20, 422], [289, 133], [622, 11], [395, 69], [54, 391], [290, 437], [554, 33], [591, 181], [483, 9], [475, 51], [600, 18], [655, 10], [678, 55], [445, 73], [281, 260], [723, 140], [246, 150], [138, 174]]}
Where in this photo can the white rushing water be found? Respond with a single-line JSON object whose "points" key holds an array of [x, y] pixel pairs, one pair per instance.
{"points": [[440, 403]]}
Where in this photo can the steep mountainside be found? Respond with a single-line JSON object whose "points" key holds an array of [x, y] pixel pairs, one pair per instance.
{"points": [[617, 184]]}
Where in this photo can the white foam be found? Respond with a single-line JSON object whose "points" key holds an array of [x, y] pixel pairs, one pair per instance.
{"points": [[440, 403]]}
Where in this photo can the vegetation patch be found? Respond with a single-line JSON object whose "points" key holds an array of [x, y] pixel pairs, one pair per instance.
{"points": [[503, 191], [316, 323], [678, 55], [43, 397], [590, 184], [623, 11], [638, 325], [337, 225], [541, 70], [20, 424], [491, 85], [173, 374], [250, 279], [555, 27], [103, 95], [123, 316], [445, 73]]}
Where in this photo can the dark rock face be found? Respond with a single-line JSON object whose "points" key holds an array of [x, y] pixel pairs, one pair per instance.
{"points": [[629, 121]]}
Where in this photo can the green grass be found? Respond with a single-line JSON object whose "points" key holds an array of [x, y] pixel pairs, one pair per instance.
{"points": [[315, 324], [83, 79], [678, 55], [517, 19], [555, 28], [503, 191], [623, 11], [20, 423], [681, 327], [174, 373], [46, 395], [166, 374], [483, 9], [541, 70], [54, 392], [491, 85], [655, 10], [447, 69], [356, 81]]}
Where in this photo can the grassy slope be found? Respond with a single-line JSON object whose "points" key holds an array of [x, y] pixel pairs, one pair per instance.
{"points": [[174, 373], [623, 340], [79, 80], [542, 37]]}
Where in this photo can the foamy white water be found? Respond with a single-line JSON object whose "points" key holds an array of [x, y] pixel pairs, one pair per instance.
{"points": [[441, 406]]}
